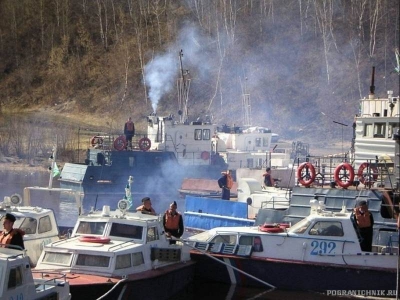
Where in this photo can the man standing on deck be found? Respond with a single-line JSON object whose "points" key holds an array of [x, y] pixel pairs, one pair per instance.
{"points": [[129, 131], [173, 222], [365, 223], [226, 183], [268, 180]]}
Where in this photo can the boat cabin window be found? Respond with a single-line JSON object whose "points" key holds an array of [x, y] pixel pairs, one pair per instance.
{"points": [[137, 259], [123, 261], [391, 129], [29, 225], [265, 142], [202, 134], [15, 277], [368, 130], [126, 231], [254, 241], [85, 227], [63, 259], [152, 234], [250, 164], [300, 227], [44, 224], [206, 134], [258, 142], [379, 130], [128, 260], [226, 239], [327, 228], [93, 260], [197, 134]]}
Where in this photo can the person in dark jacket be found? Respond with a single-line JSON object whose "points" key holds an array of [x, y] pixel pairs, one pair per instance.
{"points": [[129, 131], [268, 180], [173, 222], [225, 182], [11, 237], [365, 223]]}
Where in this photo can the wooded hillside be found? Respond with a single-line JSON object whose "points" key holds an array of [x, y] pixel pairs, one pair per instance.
{"points": [[303, 63]]}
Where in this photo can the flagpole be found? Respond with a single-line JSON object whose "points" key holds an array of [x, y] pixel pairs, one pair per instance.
{"points": [[53, 162], [53, 158]]}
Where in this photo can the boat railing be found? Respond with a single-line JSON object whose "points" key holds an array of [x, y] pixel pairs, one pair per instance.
{"points": [[122, 245], [56, 277], [275, 202]]}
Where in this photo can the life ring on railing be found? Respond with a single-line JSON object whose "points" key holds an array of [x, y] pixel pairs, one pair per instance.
{"points": [[120, 143], [96, 140], [370, 177], [309, 175], [273, 228], [94, 239], [346, 178], [144, 144], [205, 155]]}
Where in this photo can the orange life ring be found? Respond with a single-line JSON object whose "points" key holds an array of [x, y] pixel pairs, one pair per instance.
{"points": [[96, 140], [120, 143], [346, 178], [144, 144], [205, 155], [372, 174], [309, 175], [273, 228], [94, 239]]}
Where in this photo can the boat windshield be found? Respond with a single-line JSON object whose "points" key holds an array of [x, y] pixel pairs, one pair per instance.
{"points": [[86, 227], [300, 227]]}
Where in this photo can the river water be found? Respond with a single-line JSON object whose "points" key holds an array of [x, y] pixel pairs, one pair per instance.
{"points": [[66, 211]]}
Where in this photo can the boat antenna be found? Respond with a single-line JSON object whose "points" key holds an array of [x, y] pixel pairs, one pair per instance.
{"points": [[372, 86], [246, 106], [183, 91], [343, 125]]}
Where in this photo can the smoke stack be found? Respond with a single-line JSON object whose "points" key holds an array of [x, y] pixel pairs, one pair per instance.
{"points": [[372, 87]]}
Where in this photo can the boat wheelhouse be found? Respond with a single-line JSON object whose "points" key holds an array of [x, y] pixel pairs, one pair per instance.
{"points": [[117, 251]]}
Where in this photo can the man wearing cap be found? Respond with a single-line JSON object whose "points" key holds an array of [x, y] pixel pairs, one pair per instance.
{"points": [[365, 223], [173, 222], [226, 183], [10, 236], [146, 207]]}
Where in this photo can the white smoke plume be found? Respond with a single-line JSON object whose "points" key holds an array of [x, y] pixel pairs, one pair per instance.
{"points": [[160, 76], [163, 71]]}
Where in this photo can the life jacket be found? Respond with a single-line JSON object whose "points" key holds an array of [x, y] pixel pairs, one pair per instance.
{"points": [[5, 238], [229, 181], [129, 126], [363, 220], [172, 221]]}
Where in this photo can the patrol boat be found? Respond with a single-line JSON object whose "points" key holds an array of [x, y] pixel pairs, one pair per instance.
{"points": [[319, 253], [369, 170], [38, 225], [174, 147], [17, 281], [117, 254]]}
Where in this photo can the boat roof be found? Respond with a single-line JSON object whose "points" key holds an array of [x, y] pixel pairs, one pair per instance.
{"points": [[27, 211], [116, 215], [317, 216], [10, 254]]}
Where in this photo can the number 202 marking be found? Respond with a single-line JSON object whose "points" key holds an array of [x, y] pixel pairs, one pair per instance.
{"points": [[322, 247]]}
